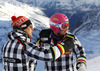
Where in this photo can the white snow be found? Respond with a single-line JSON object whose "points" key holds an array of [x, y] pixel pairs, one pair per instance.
{"points": [[66, 2], [94, 64], [9, 8]]}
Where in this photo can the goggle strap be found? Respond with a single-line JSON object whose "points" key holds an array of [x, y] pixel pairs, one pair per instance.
{"points": [[54, 24]]}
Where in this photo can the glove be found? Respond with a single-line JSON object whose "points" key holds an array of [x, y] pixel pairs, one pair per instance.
{"points": [[67, 43], [81, 67]]}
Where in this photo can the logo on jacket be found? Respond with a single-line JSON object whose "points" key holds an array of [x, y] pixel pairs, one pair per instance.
{"points": [[44, 39], [62, 43], [68, 52]]}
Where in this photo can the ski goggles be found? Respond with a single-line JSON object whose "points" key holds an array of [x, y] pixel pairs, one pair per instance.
{"points": [[62, 26]]}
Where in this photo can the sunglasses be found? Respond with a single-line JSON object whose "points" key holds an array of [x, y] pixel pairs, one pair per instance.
{"points": [[32, 25], [62, 26]]}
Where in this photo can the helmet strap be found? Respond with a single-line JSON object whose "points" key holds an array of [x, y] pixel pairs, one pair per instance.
{"points": [[59, 32]]}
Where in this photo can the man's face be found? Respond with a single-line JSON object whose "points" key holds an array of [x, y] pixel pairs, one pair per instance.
{"points": [[61, 33], [29, 31]]}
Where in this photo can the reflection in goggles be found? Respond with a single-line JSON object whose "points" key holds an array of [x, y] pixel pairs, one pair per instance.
{"points": [[64, 25]]}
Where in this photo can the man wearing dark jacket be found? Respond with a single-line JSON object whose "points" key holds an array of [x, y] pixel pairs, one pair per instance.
{"points": [[18, 53], [58, 31]]}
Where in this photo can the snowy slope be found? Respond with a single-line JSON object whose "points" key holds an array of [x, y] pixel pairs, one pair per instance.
{"points": [[74, 9], [94, 64], [88, 36], [71, 6], [89, 33], [10, 8], [63, 2]]}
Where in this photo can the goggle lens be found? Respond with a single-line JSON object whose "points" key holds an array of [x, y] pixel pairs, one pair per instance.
{"points": [[64, 25]]}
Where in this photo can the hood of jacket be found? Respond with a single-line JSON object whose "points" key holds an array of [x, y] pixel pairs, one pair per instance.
{"points": [[18, 34]]}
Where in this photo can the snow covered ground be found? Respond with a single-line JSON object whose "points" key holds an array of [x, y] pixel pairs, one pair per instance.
{"points": [[94, 64], [10, 8]]}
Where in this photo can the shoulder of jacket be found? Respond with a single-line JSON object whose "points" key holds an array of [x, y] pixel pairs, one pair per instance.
{"points": [[22, 43], [70, 35], [45, 32]]}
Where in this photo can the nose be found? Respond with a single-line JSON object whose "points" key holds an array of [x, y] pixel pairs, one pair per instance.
{"points": [[32, 29], [64, 30]]}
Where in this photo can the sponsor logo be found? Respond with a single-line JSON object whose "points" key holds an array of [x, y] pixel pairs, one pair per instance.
{"points": [[44, 39], [68, 52], [23, 25], [62, 43], [55, 19]]}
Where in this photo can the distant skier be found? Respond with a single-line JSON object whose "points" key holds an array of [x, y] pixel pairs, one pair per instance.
{"points": [[59, 24], [19, 53]]}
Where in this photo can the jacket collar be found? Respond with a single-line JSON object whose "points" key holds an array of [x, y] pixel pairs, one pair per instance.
{"points": [[18, 34]]}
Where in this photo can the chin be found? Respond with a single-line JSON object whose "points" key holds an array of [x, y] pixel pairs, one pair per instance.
{"points": [[30, 37], [62, 34]]}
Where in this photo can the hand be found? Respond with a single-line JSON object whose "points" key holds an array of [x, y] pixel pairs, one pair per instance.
{"points": [[81, 67]]}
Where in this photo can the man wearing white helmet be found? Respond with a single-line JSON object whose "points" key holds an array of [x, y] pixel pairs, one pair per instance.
{"points": [[59, 24]]}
